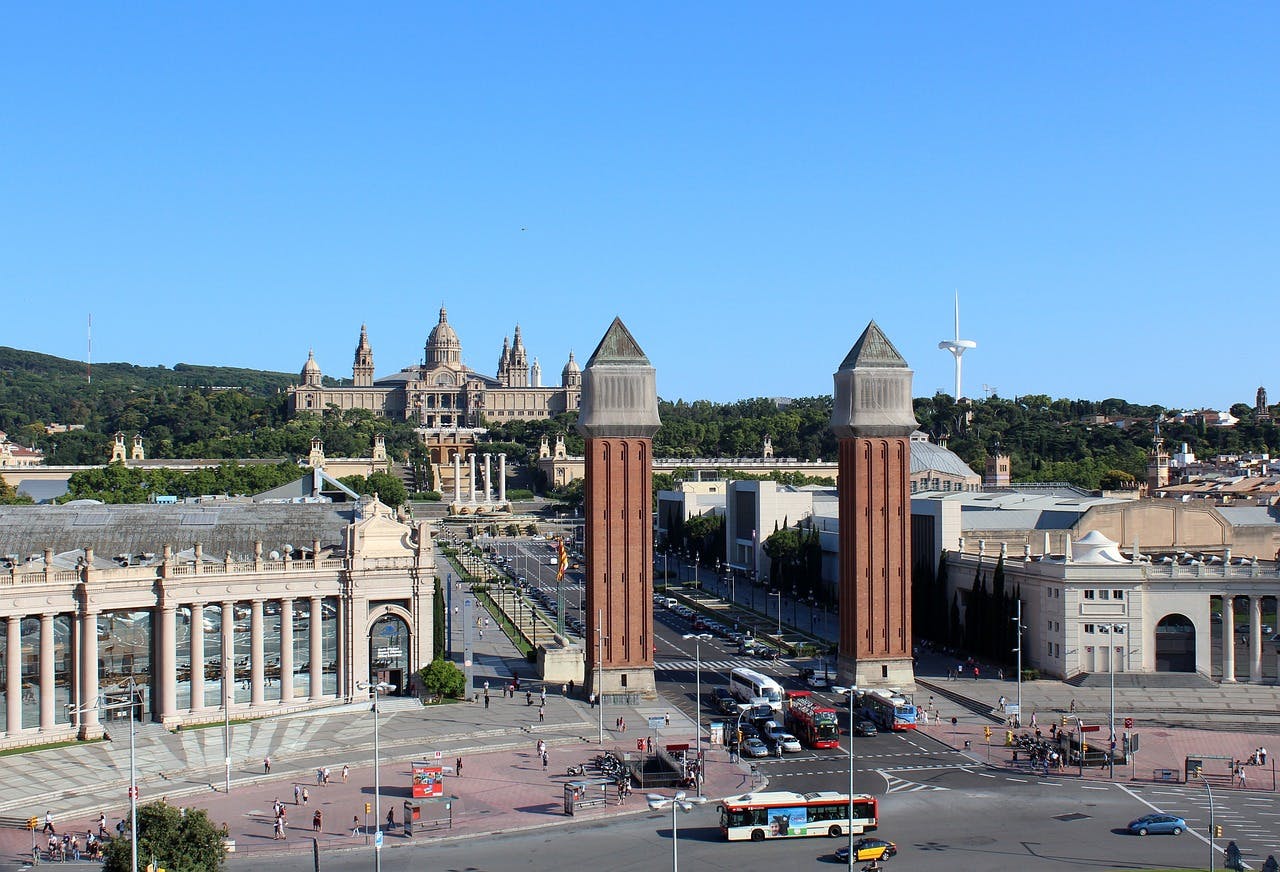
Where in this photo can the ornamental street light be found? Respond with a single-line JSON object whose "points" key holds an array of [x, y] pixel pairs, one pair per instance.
{"points": [[698, 639], [1207, 789], [778, 594], [1017, 620], [376, 689], [680, 802]]}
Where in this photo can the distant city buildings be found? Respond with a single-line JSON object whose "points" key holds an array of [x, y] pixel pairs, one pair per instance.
{"points": [[14, 455]]}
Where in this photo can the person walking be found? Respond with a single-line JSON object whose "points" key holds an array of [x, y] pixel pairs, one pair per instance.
{"points": [[306, 797], [486, 699], [542, 713], [297, 794], [317, 820], [391, 818], [546, 758], [457, 767], [266, 765], [1262, 756], [355, 825], [48, 822], [1241, 775]]}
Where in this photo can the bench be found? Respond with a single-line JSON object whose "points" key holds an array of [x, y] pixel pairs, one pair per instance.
{"points": [[590, 803]]}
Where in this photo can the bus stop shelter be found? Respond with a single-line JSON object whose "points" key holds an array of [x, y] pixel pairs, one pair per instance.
{"points": [[586, 793]]}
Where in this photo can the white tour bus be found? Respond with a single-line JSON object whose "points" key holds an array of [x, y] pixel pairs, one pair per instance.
{"points": [[748, 685]]}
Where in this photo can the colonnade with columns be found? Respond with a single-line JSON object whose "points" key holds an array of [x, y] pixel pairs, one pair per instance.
{"points": [[474, 498], [1255, 651]]}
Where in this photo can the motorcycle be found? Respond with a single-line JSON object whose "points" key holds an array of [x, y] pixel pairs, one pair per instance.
{"points": [[576, 770]]}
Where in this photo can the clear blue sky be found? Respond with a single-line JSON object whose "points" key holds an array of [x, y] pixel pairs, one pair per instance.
{"points": [[745, 184]]}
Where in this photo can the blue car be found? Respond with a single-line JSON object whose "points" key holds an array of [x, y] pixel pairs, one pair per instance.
{"points": [[1157, 823]]}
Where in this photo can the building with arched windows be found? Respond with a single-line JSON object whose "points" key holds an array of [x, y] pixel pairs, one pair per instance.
{"points": [[441, 392], [266, 608]]}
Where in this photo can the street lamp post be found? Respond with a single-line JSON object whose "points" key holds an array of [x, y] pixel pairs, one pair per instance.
{"points": [[698, 638], [1017, 620], [850, 693], [130, 703], [600, 637], [1208, 790], [680, 802], [778, 594], [376, 689], [1112, 630]]}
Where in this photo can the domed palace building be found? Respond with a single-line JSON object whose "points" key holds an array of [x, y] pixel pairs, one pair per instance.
{"points": [[442, 392]]}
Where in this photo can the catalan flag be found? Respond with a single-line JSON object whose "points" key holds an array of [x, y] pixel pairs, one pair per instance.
{"points": [[563, 557]]}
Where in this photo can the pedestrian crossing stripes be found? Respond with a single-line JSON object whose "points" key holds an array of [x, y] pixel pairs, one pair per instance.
{"points": [[901, 785], [707, 665]]}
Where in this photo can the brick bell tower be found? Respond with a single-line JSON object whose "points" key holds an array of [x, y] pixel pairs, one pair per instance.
{"points": [[873, 419], [617, 418]]}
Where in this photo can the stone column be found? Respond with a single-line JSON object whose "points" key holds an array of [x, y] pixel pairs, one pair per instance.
{"points": [[256, 653], [488, 482], [1255, 640], [13, 675], [88, 672], [166, 667], [502, 479], [1228, 638], [286, 651], [46, 673], [344, 656], [317, 649], [197, 657], [457, 477], [228, 653], [471, 477]]}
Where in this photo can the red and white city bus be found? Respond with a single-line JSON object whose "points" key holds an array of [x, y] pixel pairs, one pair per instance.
{"points": [[785, 814]]}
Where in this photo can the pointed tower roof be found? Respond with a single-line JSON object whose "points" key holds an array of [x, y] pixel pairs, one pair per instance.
{"points": [[873, 390], [619, 389], [617, 348], [873, 348]]}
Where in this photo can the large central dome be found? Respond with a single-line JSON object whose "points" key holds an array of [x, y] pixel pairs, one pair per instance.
{"points": [[443, 346]]}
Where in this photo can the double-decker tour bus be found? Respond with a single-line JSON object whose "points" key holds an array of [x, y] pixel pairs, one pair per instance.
{"points": [[888, 710], [783, 814], [748, 685], [817, 726]]}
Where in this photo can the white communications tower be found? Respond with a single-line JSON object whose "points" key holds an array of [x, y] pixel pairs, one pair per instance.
{"points": [[957, 346]]}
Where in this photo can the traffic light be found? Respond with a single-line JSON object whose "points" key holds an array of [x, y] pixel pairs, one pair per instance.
{"points": [[368, 807], [1128, 723], [1084, 747], [1217, 831], [33, 823], [1064, 720], [986, 731], [1008, 738]]}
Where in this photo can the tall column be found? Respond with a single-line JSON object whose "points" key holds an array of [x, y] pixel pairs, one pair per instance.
{"points": [[471, 477], [286, 651], [88, 672], [166, 666], [256, 653], [317, 650], [618, 417], [197, 657], [1255, 639], [457, 477], [46, 673], [13, 675], [344, 656], [488, 483], [1228, 638], [228, 654], [502, 479], [872, 418]]}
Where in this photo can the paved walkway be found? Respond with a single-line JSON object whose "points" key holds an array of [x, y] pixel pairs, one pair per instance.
{"points": [[503, 786]]}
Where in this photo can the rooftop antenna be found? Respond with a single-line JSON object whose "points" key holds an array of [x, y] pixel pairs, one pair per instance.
{"points": [[957, 346], [88, 360]]}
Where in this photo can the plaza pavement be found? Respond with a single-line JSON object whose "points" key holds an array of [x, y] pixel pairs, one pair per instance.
{"points": [[503, 788]]}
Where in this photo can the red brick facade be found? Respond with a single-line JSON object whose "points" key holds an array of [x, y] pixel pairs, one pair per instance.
{"points": [[619, 558], [875, 555]]}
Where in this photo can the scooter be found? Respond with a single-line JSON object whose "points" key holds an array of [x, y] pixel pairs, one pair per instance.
{"points": [[576, 770]]}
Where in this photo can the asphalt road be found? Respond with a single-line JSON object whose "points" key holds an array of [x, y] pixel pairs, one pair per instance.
{"points": [[995, 826]]}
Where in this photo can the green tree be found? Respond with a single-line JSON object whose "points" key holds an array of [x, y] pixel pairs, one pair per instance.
{"points": [[10, 497], [443, 678], [438, 622], [176, 839]]}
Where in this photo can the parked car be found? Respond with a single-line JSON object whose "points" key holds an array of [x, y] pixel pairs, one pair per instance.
{"points": [[1157, 823], [867, 849]]}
